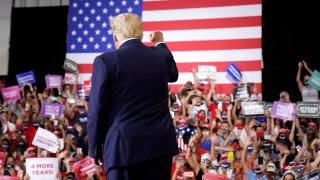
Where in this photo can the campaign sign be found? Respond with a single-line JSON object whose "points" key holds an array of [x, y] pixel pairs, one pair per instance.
{"points": [[84, 167], [53, 81], [205, 72], [42, 168], [283, 110], [308, 109], [250, 109], [208, 176], [241, 92], [10, 93], [269, 107], [27, 77], [314, 80], [9, 178], [314, 175], [234, 72], [46, 140], [49, 109], [2, 160], [69, 78], [70, 65], [87, 86], [82, 93]]}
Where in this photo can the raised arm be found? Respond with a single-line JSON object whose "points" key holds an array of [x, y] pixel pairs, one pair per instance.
{"points": [[299, 83], [307, 67]]}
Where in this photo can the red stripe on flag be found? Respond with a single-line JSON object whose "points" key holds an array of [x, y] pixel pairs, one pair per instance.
{"points": [[213, 44], [203, 23], [220, 88], [182, 4], [186, 67]]}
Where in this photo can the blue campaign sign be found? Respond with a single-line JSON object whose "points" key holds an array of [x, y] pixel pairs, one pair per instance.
{"points": [[27, 77], [314, 80], [234, 72]]}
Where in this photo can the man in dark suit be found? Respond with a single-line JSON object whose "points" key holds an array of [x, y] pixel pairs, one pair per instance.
{"points": [[128, 108]]}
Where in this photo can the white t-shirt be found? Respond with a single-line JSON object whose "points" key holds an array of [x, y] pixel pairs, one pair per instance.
{"points": [[309, 93]]}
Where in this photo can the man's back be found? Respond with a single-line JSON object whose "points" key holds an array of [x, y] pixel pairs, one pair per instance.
{"points": [[135, 109]]}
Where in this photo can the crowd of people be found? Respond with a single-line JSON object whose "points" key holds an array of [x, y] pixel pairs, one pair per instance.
{"points": [[212, 135]]}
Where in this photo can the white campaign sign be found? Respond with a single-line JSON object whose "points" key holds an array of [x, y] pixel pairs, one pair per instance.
{"points": [[46, 140], [42, 168], [207, 71]]}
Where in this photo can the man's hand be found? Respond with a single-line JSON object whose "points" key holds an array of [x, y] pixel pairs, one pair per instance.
{"points": [[300, 64], [156, 37]]}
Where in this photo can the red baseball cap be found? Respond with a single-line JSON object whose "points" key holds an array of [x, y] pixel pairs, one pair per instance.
{"points": [[312, 124], [282, 131], [224, 155]]}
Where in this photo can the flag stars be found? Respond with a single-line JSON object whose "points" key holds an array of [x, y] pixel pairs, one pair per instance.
{"points": [[136, 2], [109, 31], [103, 39], [73, 32], [85, 32], [124, 3], [130, 10], [79, 39], [86, 4], [98, 18], [117, 10], [73, 46], [74, 5], [86, 19], [96, 46], [109, 46], [99, 3], [104, 25], [84, 46], [80, 11], [74, 19], [110, 17], [98, 32], [92, 11], [92, 25], [111, 3], [80, 25], [91, 39], [105, 11]]}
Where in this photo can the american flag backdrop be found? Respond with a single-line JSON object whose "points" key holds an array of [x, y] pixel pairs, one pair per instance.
{"points": [[198, 32]]}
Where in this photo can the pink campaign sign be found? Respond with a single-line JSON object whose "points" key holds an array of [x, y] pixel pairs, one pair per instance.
{"points": [[10, 93]]}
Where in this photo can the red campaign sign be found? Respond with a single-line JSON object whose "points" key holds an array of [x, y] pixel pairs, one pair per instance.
{"points": [[84, 167], [9, 178], [208, 176], [2, 160], [87, 85]]}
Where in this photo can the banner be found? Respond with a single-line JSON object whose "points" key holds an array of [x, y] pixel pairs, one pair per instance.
{"points": [[70, 65], [46, 140], [27, 77], [53, 81], [42, 168], [308, 109], [283, 110], [241, 92], [84, 167], [49, 109], [250, 109], [87, 86], [10, 93], [205, 72], [208, 176], [234, 72], [2, 161], [314, 80]]}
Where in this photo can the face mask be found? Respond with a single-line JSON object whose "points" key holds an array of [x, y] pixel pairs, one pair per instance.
{"points": [[81, 111], [201, 117], [225, 131], [206, 133], [260, 134], [305, 83], [5, 146], [199, 104], [238, 125], [225, 164]]}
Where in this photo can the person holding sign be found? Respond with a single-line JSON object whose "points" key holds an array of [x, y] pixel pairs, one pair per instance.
{"points": [[128, 109], [308, 92]]}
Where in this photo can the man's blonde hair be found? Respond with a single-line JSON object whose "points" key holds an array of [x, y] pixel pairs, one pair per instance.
{"points": [[126, 26]]}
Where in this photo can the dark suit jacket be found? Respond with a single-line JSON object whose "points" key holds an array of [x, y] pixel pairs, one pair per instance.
{"points": [[128, 104]]}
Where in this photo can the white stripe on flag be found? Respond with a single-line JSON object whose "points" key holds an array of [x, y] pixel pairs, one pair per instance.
{"points": [[202, 13], [188, 56]]}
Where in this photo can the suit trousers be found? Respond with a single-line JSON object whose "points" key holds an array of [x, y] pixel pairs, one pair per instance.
{"points": [[153, 169]]}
